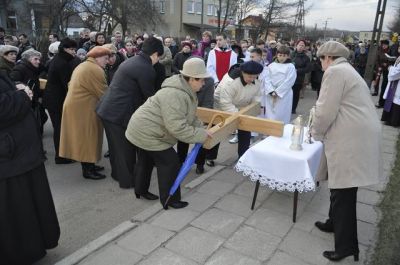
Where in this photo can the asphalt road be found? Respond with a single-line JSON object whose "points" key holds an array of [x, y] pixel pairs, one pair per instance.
{"points": [[88, 208]]}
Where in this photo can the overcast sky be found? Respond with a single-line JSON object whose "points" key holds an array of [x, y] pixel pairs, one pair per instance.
{"points": [[354, 15]]}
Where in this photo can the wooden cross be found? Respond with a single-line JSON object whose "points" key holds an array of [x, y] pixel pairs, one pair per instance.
{"points": [[243, 120]]}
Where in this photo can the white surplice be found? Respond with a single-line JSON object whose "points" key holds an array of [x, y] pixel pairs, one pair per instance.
{"points": [[279, 78]]}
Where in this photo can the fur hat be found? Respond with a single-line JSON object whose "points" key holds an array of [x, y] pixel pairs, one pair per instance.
{"points": [[98, 51], [333, 48], [67, 43], [53, 48], [152, 45], [251, 67], [4, 49], [30, 53], [194, 67]]}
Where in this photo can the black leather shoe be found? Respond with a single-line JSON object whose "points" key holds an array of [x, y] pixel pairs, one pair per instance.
{"points": [[93, 175], [374, 94], [107, 154], [148, 196], [324, 227], [98, 168], [178, 204], [333, 256], [210, 163], [378, 106], [63, 161], [199, 169]]}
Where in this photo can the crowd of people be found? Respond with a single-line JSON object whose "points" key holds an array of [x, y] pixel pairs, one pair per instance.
{"points": [[143, 92]]}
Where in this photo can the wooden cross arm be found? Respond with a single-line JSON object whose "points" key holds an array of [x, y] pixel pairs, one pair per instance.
{"points": [[206, 114], [260, 125], [42, 83], [239, 120]]}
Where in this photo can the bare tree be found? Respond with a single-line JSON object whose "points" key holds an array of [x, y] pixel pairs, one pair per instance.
{"points": [[120, 12], [241, 9], [224, 11], [59, 14], [276, 12]]}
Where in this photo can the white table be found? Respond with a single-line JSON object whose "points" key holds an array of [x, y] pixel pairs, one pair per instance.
{"points": [[272, 163]]}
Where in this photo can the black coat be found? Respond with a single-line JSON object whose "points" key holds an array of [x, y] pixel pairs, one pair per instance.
{"points": [[20, 141], [59, 74], [317, 73], [160, 75], [132, 84], [27, 74], [179, 59], [205, 96], [302, 64]]}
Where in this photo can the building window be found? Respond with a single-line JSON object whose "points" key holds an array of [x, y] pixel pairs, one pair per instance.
{"points": [[11, 20], [216, 11], [198, 8], [190, 7], [162, 7], [210, 10]]}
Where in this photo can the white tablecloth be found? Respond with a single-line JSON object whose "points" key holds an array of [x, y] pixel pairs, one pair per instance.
{"points": [[273, 163]]}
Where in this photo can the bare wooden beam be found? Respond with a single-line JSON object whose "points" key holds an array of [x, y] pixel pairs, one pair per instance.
{"points": [[260, 125]]}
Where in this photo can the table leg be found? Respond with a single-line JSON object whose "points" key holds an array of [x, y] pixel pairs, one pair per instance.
{"points": [[295, 199], [255, 194]]}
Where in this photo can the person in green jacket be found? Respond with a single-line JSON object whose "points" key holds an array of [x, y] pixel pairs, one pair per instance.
{"points": [[165, 118]]}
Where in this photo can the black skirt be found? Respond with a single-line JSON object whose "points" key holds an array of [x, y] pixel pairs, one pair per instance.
{"points": [[28, 220], [392, 118]]}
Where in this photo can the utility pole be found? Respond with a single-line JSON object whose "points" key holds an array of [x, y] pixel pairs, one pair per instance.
{"points": [[299, 23], [202, 17], [326, 25], [376, 36]]}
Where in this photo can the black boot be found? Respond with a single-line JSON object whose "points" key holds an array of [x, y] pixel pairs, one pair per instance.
{"points": [[89, 172]]}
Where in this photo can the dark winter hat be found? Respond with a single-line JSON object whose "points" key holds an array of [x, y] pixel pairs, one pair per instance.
{"points": [[67, 43], [152, 45], [386, 42], [251, 67], [298, 41], [186, 43]]}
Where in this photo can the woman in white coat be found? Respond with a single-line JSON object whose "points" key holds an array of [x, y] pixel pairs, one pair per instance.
{"points": [[346, 122], [238, 89], [278, 83]]}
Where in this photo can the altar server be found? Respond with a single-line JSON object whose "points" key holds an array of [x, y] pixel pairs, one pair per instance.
{"points": [[278, 83], [347, 123]]}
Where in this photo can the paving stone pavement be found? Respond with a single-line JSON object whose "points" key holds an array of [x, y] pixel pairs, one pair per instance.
{"points": [[218, 227]]}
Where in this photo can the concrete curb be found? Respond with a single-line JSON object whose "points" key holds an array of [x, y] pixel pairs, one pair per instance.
{"points": [[98, 243]]}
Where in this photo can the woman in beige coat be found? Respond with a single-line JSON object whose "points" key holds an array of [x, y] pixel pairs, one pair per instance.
{"points": [[81, 129], [347, 123]]}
